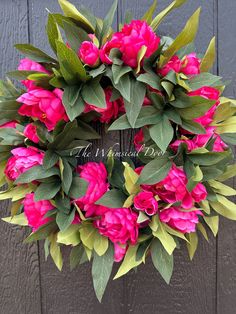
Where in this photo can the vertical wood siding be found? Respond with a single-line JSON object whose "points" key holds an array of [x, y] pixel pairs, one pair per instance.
{"points": [[30, 285]]}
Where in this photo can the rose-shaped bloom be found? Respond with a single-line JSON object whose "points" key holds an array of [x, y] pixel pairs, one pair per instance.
{"points": [[173, 189], [96, 175], [112, 109], [22, 160], [30, 65], [45, 105], [184, 222], [105, 50], [118, 224], [191, 64], [10, 124], [89, 53], [201, 140], [119, 252], [208, 93], [35, 211], [30, 131], [146, 202], [190, 144], [173, 65], [139, 140]]}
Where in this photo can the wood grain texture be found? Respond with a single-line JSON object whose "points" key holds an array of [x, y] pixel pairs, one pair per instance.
{"points": [[193, 286], [19, 275], [72, 292], [226, 266]]}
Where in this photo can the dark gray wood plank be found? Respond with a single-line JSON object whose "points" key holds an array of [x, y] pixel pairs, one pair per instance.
{"points": [[226, 266], [19, 276], [192, 289], [72, 292]]}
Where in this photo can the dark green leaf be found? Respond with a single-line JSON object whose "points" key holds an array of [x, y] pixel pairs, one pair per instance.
{"points": [[118, 71], [42, 232], [207, 159], [34, 53], [113, 199], [46, 191], [204, 79], [37, 173], [66, 176], [52, 32], [63, 220], [93, 94], [72, 101], [50, 159], [78, 188], [150, 79], [75, 256]]}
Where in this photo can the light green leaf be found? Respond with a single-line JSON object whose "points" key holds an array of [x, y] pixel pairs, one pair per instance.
{"points": [[101, 244], [17, 192], [209, 57], [87, 235], [162, 261], [149, 14], [221, 188], [192, 244], [101, 271], [166, 239], [55, 252], [20, 220], [131, 177], [229, 173], [213, 223], [70, 236], [107, 22], [224, 207], [140, 57]]}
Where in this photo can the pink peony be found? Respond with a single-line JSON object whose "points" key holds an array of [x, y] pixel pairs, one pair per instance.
{"points": [[119, 252], [22, 160], [111, 111], [208, 93], [202, 139], [173, 189], [146, 202], [118, 224], [96, 175], [89, 53], [35, 211], [174, 64], [10, 124], [191, 65], [30, 131], [129, 41], [185, 222], [45, 105], [139, 140], [30, 65]]}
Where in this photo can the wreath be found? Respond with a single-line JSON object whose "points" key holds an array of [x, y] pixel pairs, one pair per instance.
{"points": [[114, 211]]}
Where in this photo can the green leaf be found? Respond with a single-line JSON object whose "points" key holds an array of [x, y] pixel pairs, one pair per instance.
{"points": [[34, 53], [64, 220], [162, 261], [55, 252], [133, 107], [87, 235], [107, 22], [209, 57], [71, 11], [101, 271], [78, 188], [70, 65], [36, 173], [162, 133], [208, 158], [184, 38], [119, 71], [131, 178], [204, 79], [199, 107], [213, 223], [17, 192], [141, 55], [166, 239], [193, 127], [10, 136], [158, 19], [53, 32], [129, 262], [67, 176], [229, 173], [42, 232], [93, 94], [192, 244], [149, 14], [150, 79], [20, 220], [75, 35], [101, 244], [76, 255], [113, 199], [70, 236], [155, 171], [50, 159], [47, 190], [221, 188], [224, 207], [124, 86], [72, 101]]}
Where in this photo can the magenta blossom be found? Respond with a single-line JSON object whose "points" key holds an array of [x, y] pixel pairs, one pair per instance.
{"points": [[10, 124], [184, 222], [120, 251], [30, 131], [22, 160], [44, 105], [139, 140], [30, 65], [89, 53], [145, 201]]}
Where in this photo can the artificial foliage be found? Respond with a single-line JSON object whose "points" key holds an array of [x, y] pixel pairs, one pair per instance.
{"points": [[117, 211]]}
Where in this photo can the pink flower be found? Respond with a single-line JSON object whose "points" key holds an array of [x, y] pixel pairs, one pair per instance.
{"points": [[174, 189], [119, 252], [129, 41], [22, 160], [185, 222], [139, 140], [173, 65], [191, 65], [190, 144], [89, 53], [30, 131], [96, 175], [146, 202], [30, 65], [111, 111], [208, 93], [10, 124], [35, 211], [45, 105], [118, 224]]}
